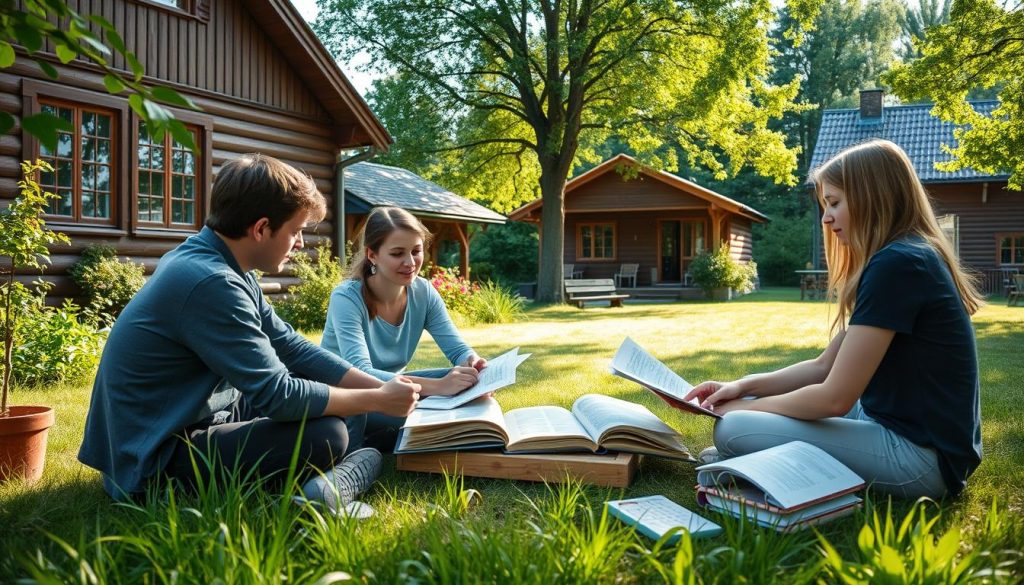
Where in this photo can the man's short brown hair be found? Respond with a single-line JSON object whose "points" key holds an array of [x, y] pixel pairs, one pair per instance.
{"points": [[255, 186]]}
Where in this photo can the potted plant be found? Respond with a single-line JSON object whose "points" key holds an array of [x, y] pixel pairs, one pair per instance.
{"points": [[719, 275], [23, 244]]}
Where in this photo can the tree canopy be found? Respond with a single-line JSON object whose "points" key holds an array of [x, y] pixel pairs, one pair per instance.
{"points": [[523, 92], [850, 45], [982, 46]]}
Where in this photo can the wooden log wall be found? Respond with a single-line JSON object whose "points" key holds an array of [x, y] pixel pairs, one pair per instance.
{"points": [[236, 128]]}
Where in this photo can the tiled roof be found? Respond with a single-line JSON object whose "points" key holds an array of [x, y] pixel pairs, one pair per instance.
{"points": [[912, 127], [379, 185]]}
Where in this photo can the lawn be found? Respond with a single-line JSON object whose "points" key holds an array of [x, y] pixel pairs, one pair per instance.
{"points": [[524, 532]]}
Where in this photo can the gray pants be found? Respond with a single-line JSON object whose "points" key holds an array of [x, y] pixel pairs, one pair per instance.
{"points": [[889, 463]]}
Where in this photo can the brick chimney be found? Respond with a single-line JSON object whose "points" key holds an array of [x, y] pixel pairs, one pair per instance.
{"points": [[871, 104]]}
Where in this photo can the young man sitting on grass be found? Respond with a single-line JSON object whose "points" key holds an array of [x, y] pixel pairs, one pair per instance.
{"points": [[198, 367]]}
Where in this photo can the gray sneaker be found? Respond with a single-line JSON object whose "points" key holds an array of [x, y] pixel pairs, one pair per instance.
{"points": [[339, 487], [709, 455]]}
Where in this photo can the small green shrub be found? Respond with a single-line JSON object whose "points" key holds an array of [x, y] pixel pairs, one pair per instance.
{"points": [[711, 270], [492, 303], [107, 282], [305, 305], [53, 344]]}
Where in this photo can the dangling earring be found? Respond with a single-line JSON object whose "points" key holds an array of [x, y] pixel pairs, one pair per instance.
{"points": [[373, 269]]}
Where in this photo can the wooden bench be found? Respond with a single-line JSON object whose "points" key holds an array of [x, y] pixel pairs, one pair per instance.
{"points": [[581, 290]]}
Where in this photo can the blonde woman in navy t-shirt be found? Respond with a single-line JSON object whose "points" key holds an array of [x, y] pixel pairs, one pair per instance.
{"points": [[895, 395]]}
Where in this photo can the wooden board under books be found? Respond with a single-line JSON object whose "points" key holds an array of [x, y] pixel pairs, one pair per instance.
{"points": [[610, 470]]}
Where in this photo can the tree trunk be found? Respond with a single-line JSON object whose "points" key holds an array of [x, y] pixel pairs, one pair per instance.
{"points": [[549, 277]]}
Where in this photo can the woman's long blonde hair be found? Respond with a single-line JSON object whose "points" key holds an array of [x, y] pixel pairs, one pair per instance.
{"points": [[886, 202], [381, 222]]}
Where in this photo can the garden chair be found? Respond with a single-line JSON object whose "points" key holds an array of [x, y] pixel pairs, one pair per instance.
{"points": [[570, 271], [1016, 291], [627, 272]]}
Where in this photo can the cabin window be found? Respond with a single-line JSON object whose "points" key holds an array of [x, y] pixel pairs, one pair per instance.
{"points": [[1011, 249], [166, 180], [82, 175], [595, 241]]}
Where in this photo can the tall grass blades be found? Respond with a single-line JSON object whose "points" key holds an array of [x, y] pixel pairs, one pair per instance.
{"points": [[913, 550], [493, 303]]}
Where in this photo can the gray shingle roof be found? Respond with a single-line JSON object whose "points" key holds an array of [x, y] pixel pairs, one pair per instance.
{"points": [[912, 127], [379, 185]]}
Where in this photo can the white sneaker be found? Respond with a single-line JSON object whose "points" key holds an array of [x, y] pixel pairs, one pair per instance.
{"points": [[339, 487], [358, 510], [709, 455]]}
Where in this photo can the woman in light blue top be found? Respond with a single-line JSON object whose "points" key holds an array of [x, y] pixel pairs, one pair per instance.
{"points": [[377, 316]]}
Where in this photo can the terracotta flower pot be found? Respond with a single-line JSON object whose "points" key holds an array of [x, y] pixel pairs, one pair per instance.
{"points": [[23, 442]]}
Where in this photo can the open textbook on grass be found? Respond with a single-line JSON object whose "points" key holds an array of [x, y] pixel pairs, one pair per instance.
{"points": [[633, 363], [595, 422], [786, 487], [500, 372]]}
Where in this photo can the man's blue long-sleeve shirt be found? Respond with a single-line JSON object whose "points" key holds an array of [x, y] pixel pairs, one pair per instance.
{"points": [[198, 333]]}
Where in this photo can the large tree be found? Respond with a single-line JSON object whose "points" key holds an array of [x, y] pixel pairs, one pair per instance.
{"points": [[530, 87], [982, 47], [850, 45]]}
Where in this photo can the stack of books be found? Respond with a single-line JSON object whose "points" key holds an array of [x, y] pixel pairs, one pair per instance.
{"points": [[788, 487]]}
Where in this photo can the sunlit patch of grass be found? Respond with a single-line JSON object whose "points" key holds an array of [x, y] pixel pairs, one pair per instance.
{"points": [[429, 528]]}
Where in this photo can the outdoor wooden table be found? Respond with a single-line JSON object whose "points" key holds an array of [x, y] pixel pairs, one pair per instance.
{"points": [[813, 283]]}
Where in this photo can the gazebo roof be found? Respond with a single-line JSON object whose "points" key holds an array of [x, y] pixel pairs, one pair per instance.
{"points": [[369, 185]]}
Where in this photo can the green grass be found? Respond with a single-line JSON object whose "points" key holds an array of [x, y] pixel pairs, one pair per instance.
{"points": [[425, 531]]}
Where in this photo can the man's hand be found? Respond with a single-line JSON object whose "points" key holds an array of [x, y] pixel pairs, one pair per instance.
{"points": [[398, 396], [712, 393]]}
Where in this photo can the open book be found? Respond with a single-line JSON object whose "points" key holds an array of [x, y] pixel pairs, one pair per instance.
{"points": [[786, 487], [500, 372], [596, 422], [633, 363]]}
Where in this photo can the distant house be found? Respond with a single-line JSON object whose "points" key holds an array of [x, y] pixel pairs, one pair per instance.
{"points": [[657, 220], [264, 83], [984, 219], [445, 214]]}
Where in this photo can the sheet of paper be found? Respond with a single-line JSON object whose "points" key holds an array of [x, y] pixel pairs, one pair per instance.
{"points": [[631, 359], [500, 372], [633, 363]]}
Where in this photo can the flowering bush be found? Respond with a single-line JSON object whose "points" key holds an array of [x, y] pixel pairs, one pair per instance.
{"points": [[305, 305], [457, 292]]}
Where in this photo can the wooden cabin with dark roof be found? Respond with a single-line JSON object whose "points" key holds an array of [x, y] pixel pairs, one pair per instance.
{"points": [[984, 219], [445, 214], [264, 83], [647, 217]]}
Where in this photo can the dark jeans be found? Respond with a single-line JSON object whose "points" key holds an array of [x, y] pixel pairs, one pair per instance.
{"points": [[380, 431], [246, 442]]}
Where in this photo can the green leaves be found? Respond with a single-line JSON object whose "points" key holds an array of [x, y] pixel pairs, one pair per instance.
{"points": [[44, 127], [6, 54], [32, 27], [113, 83], [979, 49]]}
